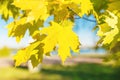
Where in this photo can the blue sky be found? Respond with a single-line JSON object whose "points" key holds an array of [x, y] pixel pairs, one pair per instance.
{"points": [[83, 28]]}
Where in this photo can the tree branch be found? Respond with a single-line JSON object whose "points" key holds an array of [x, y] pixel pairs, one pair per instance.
{"points": [[87, 19], [80, 16]]}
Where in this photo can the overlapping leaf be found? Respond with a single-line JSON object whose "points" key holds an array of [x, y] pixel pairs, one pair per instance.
{"points": [[82, 7], [17, 29], [24, 55], [36, 9], [8, 10]]}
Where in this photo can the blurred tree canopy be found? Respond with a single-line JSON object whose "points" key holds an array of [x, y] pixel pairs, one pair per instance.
{"points": [[5, 52]]}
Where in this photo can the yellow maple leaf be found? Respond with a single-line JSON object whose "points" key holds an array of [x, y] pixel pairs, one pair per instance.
{"points": [[37, 9], [61, 36], [85, 7], [17, 28], [24, 55]]}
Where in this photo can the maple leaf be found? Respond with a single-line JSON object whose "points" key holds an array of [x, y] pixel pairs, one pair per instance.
{"points": [[24, 55], [83, 7], [17, 29], [61, 36], [36, 9], [7, 10]]}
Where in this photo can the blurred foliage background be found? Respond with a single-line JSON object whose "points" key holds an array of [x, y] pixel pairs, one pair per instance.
{"points": [[5, 51]]}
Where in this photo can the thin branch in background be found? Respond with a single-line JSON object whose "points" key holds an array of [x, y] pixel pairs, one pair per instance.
{"points": [[86, 19], [82, 17]]}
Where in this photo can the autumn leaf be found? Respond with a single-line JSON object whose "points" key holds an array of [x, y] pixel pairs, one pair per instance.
{"points": [[36, 9], [24, 55], [61, 36]]}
